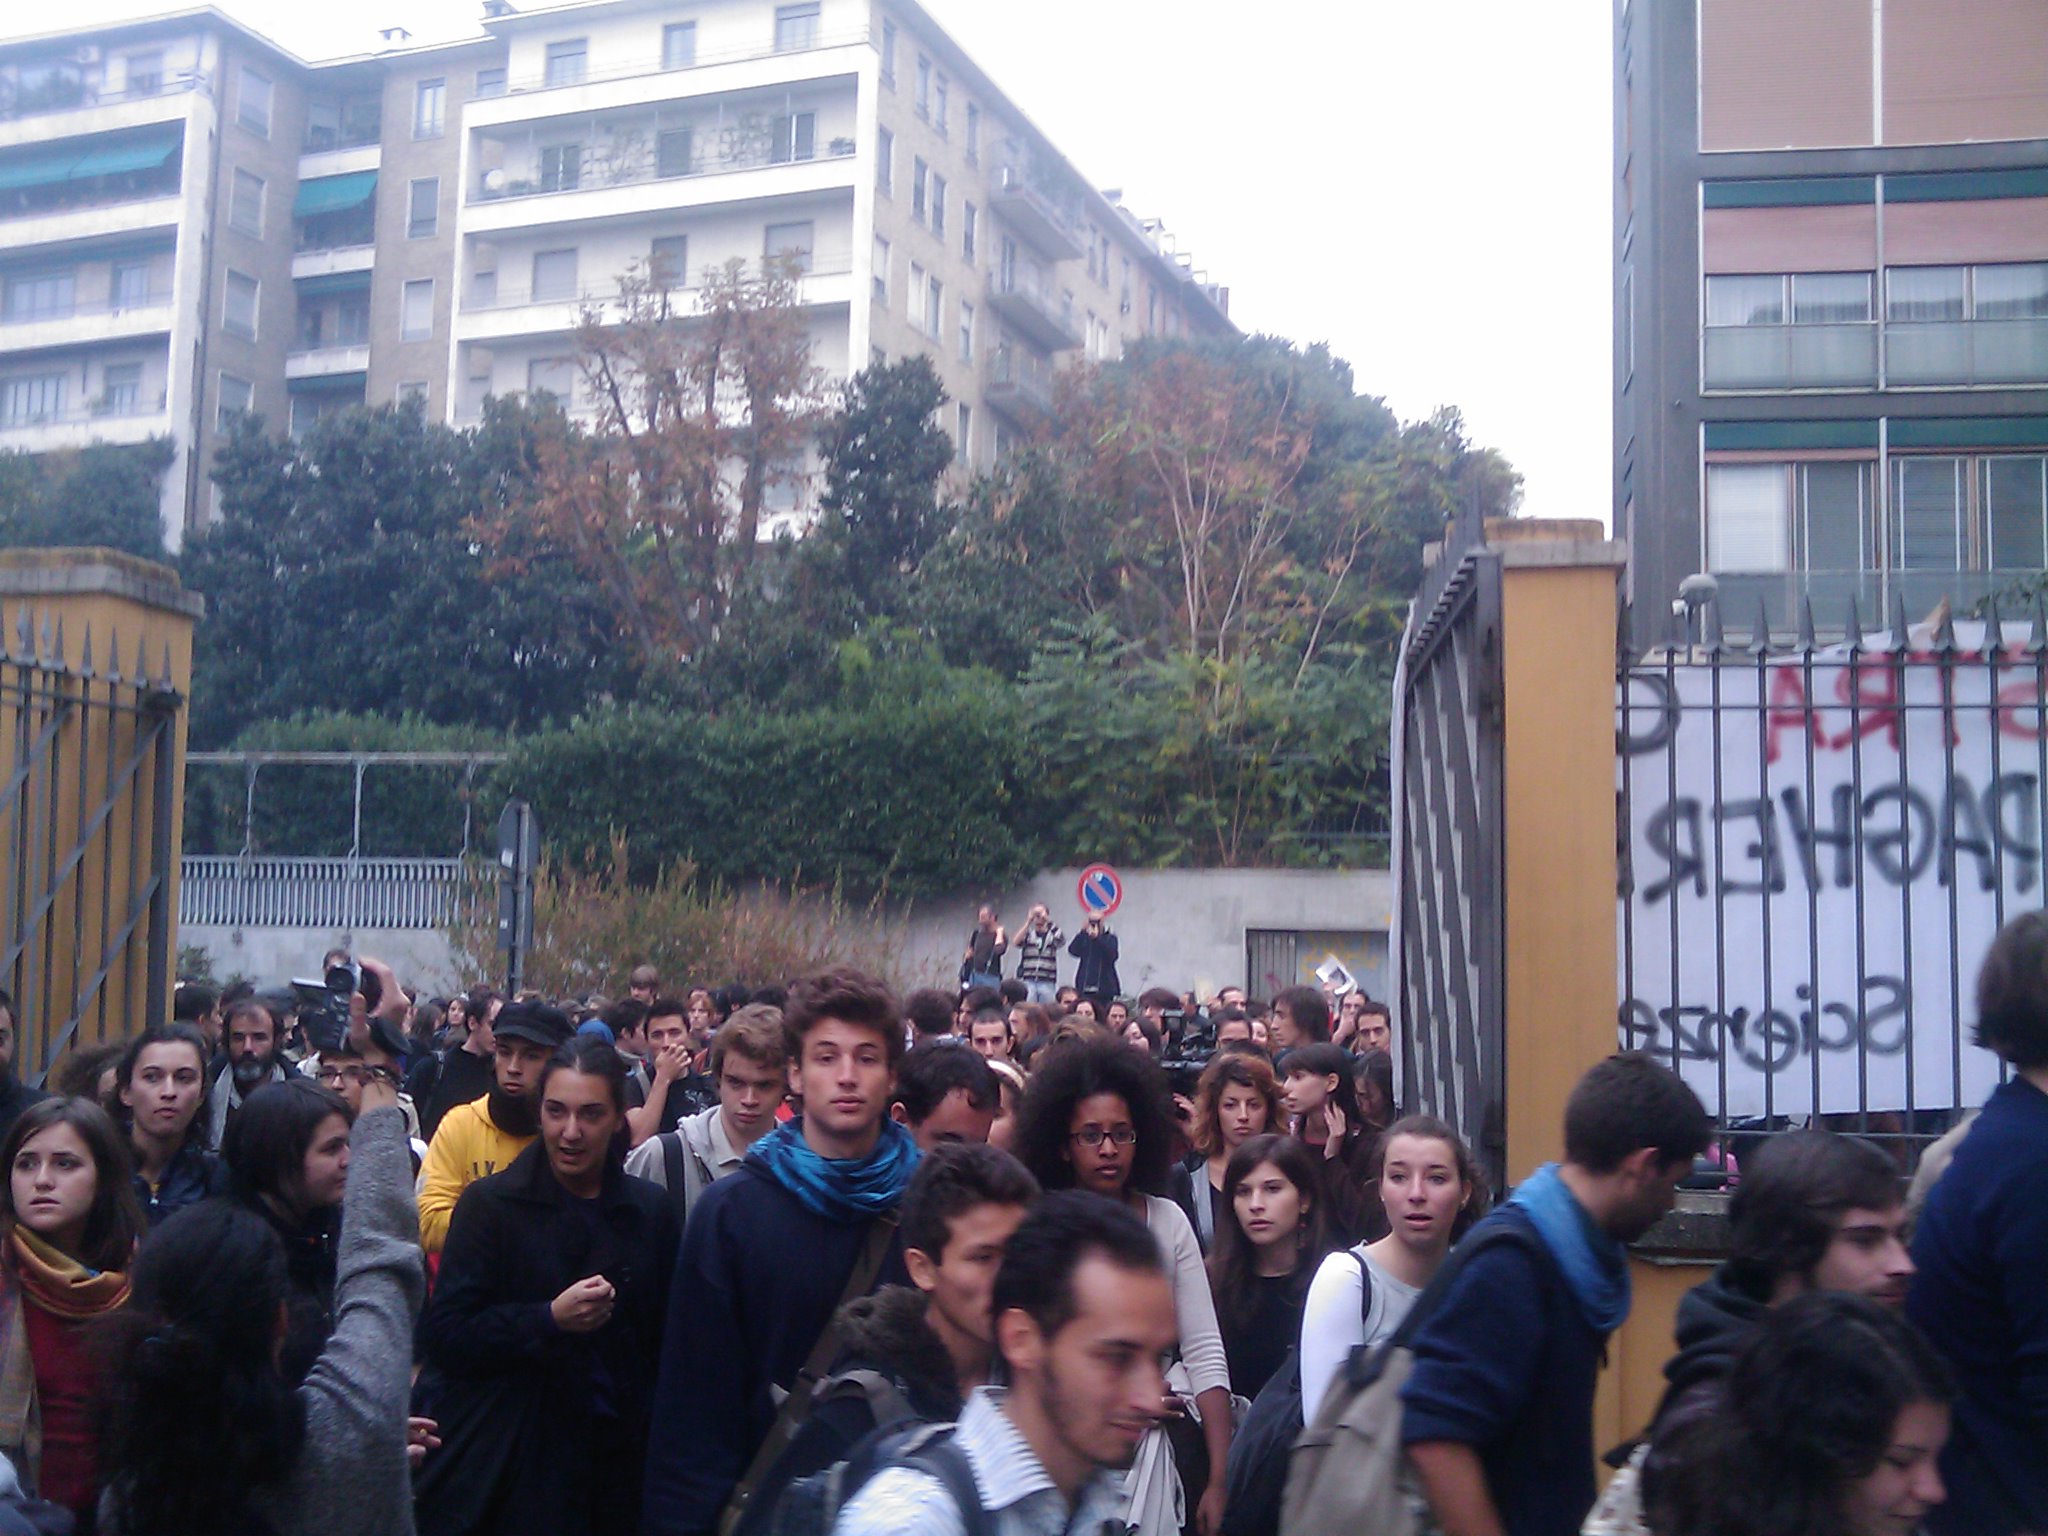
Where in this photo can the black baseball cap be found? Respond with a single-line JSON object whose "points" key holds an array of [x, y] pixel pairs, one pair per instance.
{"points": [[534, 1022]]}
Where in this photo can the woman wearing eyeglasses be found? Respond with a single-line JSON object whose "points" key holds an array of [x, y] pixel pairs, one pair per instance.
{"points": [[1095, 1117]]}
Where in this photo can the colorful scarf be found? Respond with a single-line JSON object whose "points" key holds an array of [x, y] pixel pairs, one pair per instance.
{"points": [[58, 1283], [845, 1189], [1595, 1265]]}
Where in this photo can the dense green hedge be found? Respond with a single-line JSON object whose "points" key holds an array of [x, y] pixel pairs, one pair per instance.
{"points": [[912, 795]]}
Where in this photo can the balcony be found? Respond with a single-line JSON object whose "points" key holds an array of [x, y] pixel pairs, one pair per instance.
{"points": [[141, 214], [1965, 353], [510, 313], [38, 114], [330, 262], [1033, 315], [1018, 387], [652, 67], [327, 362], [134, 420], [1755, 357], [1876, 594], [1027, 209], [316, 164], [83, 324]]}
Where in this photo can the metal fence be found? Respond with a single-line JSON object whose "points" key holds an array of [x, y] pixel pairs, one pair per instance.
{"points": [[1448, 846], [89, 754], [254, 891], [1818, 842]]}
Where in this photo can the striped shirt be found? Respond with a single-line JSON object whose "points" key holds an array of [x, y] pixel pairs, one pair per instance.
{"points": [[902, 1501]]}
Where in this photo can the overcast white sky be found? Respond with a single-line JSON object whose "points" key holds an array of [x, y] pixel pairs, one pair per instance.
{"points": [[1423, 186]]}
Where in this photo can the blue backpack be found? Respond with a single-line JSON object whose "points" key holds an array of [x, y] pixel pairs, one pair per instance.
{"points": [[810, 1506]]}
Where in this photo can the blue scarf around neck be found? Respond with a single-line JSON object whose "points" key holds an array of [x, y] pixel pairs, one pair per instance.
{"points": [[1595, 1265], [845, 1189]]}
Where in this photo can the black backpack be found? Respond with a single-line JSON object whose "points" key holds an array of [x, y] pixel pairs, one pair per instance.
{"points": [[1257, 1470], [810, 1506]]}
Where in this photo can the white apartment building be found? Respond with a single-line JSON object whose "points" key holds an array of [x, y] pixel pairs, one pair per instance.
{"points": [[192, 222]]}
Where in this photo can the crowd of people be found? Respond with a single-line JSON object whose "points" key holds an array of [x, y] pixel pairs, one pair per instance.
{"points": [[1004, 1257]]}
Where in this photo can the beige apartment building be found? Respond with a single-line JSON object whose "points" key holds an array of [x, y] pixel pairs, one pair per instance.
{"points": [[194, 223]]}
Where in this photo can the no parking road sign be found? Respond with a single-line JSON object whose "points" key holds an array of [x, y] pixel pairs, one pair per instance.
{"points": [[1101, 890]]}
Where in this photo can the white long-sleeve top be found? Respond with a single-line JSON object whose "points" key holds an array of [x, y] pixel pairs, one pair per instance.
{"points": [[1194, 1308], [1333, 1322]]}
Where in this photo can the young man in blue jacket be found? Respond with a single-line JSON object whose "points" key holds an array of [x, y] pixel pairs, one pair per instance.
{"points": [[770, 1251], [1498, 1412]]}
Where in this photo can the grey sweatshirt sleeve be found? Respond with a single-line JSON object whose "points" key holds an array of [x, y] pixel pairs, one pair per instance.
{"points": [[352, 1478]]}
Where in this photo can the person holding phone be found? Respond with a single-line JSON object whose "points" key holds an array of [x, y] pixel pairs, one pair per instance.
{"points": [[541, 1342], [1096, 948]]}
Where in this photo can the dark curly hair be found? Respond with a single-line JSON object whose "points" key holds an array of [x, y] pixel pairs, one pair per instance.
{"points": [[1074, 1070], [1814, 1400]]}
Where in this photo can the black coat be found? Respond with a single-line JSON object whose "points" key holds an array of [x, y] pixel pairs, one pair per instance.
{"points": [[543, 1432]]}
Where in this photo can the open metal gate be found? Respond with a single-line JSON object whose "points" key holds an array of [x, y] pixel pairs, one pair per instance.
{"points": [[1448, 847]]}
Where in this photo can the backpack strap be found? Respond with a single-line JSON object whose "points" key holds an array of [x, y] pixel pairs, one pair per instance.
{"points": [[1364, 1291], [859, 1281], [940, 1455], [676, 1174], [1365, 1366]]}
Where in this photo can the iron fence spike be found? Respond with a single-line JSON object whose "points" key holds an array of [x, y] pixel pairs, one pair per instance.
{"points": [[1806, 632], [85, 655], [1901, 628], [1945, 629], [2037, 642], [43, 649], [164, 681], [1994, 627], [140, 675], [1760, 637], [57, 652], [24, 629], [1852, 632], [113, 654]]}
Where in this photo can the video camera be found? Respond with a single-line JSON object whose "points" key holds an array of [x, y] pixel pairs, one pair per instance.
{"points": [[323, 1005], [1188, 1045]]}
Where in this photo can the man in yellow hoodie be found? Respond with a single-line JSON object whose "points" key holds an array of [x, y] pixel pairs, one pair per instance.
{"points": [[482, 1137]]}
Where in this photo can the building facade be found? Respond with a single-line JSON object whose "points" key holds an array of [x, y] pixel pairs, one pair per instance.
{"points": [[193, 223], [1831, 303]]}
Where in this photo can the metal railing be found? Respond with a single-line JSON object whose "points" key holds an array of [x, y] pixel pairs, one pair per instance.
{"points": [[79, 95], [606, 296], [638, 68], [1818, 843], [158, 299], [1840, 356], [98, 410], [636, 161], [1966, 352], [262, 891]]}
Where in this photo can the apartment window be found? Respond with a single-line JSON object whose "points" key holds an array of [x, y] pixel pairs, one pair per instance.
{"points": [[423, 208], [963, 422], [245, 203], [934, 309], [794, 137], [491, 82], [410, 390], [938, 204], [1926, 293], [483, 289], [919, 175], [41, 296], [889, 54], [2016, 291], [881, 270], [970, 219], [668, 262], [352, 320], [679, 45], [130, 287], [1789, 516], [145, 74], [793, 240], [966, 332], [234, 399], [1799, 298], [238, 314], [430, 108], [2008, 291], [796, 26], [973, 134], [924, 86], [120, 389], [1930, 512], [566, 61], [554, 275], [2015, 500], [914, 294], [252, 102], [885, 160], [674, 149], [561, 167], [31, 398], [555, 376], [416, 310], [941, 94]]}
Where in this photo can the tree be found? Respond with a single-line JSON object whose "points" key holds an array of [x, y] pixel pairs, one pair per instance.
{"points": [[106, 494], [885, 456], [343, 576], [695, 417]]}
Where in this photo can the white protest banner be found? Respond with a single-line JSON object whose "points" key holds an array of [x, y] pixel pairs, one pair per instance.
{"points": [[1818, 854]]}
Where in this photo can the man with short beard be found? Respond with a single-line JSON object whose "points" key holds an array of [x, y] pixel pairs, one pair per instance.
{"points": [[252, 1042], [482, 1137]]}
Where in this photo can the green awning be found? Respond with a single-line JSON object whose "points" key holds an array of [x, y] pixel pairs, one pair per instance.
{"points": [[37, 170], [331, 282], [331, 194], [118, 159]]}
